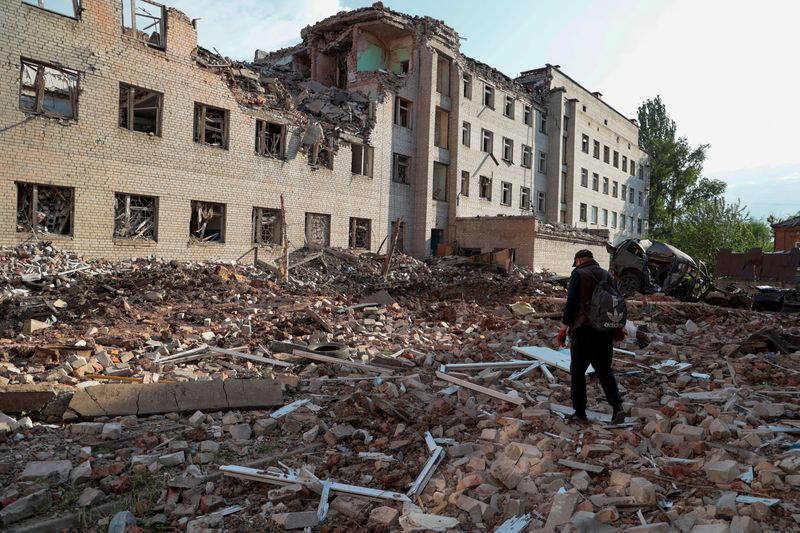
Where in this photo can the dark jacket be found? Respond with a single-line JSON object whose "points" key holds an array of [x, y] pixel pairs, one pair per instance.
{"points": [[582, 282]]}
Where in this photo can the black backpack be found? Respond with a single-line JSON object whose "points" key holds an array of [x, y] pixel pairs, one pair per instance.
{"points": [[607, 310]]}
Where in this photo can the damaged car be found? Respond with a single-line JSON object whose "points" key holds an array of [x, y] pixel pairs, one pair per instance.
{"points": [[647, 266]]}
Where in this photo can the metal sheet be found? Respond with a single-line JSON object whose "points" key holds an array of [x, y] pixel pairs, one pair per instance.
{"points": [[555, 358]]}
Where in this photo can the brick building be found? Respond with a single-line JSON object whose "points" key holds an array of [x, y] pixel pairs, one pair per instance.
{"points": [[128, 139], [787, 234]]}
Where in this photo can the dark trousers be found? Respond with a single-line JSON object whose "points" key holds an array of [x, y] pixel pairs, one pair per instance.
{"points": [[592, 347]]}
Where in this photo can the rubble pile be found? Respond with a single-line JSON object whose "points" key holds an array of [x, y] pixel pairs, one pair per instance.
{"points": [[354, 401]]}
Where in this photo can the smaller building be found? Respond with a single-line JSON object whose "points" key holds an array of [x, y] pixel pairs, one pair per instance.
{"points": [[787, 234]]}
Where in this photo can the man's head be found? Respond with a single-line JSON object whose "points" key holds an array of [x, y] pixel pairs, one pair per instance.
{"points": [[581, 257]]}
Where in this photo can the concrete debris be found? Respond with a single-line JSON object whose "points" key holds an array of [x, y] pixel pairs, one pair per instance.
{"points": [[123, 393]]}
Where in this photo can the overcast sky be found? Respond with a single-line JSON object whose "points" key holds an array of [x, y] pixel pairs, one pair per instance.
{"points": [[726, 69]]}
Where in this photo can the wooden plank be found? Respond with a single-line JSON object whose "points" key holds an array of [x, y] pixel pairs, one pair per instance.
{"points": [[595, 469], [344, 362], [250, 357], [478, 388]]}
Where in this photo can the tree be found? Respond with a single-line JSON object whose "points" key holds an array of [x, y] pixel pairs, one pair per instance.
{"points": [[709, 224], [675, 167]]}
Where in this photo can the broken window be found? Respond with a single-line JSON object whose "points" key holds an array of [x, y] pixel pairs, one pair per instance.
{"points": [[596, 152], [488, 95], [527, 115], [585, 144], [402, 169], [439, 181], [135, 217], [402, 112], [318, 229], [508, 110], [542, 161], [508, 150], [45, 208], [464, 183], [540, 201], [467, 86], [616, 159], [527, 156], [505, 193], [139, 109], [524, 198], [583, 213], [360, 233], [144, 20], [210, 125], [207, 222], [269, 139], [487, 141], [466, 133], [443, 75], [485, 190], [49, 90], [70, 8], [362, 159], [605, 185], [441, 128], [321, 155], [267, 227], [584, 177], [595, 181]]}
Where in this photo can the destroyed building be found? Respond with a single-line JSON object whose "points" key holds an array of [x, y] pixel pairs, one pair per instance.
{"points": [[131, 140]]}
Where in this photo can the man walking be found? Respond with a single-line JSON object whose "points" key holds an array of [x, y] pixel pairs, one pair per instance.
{"points": [[589, 346]]}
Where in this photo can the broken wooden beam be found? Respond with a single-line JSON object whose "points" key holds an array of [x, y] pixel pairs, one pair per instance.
{"points": [[478, 388], [344, 362]]}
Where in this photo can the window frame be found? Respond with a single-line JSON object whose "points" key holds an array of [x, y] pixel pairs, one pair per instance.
{"points": [[258, 215], [127, 198], [526, 160], [367, 158], [506, 188], [401, 104], [352, 240], [131, 108], [466, 90], [40, 88], [542, 166], [464, 184], [509, 105], [485, 181], [585, 143], [77, 8], [524, 198], [585, 177], [541, 201], [595, 182], [194, 239], [32, 226], [466, 133], [594, 215], [527, 115], [162, 44], [508, 146], [200, 125], [442, 197], [488, 92], [262, 129], [583, 212], [484, 133], [396, 164]]}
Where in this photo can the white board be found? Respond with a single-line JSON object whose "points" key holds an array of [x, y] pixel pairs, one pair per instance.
{"points": [[555, 358]]}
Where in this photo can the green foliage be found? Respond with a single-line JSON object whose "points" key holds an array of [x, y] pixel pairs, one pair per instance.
{"points": [[708, 225], [675, 168]]}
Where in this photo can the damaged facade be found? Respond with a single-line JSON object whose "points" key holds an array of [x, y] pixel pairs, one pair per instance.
{"points": [[131, 140]]}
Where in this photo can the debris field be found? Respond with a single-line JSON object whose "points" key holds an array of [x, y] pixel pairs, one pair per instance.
{"points": [[153, 395]]}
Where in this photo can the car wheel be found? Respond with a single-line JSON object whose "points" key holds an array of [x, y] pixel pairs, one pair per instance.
{"points": [[629, 283]]}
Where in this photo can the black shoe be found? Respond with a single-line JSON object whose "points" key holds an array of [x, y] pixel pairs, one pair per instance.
{"points": [[577, 417], [618, 416]]}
